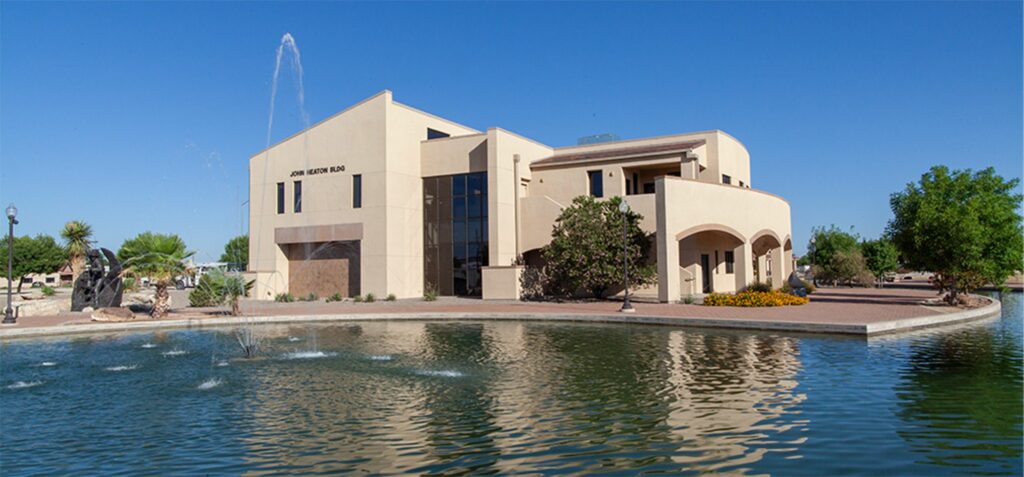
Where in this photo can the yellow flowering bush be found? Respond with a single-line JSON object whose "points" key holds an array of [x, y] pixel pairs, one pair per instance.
{"points": [[754, 298]]}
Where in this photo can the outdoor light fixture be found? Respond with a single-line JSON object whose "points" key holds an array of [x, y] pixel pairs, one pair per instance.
{"points": [[626, 306], [12, 213], [814, 250]]}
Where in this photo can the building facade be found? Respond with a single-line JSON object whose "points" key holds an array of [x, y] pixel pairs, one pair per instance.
{"points": [[383, 198]]}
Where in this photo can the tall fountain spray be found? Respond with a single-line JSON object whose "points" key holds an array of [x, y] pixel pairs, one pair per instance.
{"points": [[287, 43]]}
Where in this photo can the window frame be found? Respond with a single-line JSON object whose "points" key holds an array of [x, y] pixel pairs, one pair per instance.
{"points": [[726, 179], [297, 197], [599, 174], [357, 191], [730, 262], [280, 198]]}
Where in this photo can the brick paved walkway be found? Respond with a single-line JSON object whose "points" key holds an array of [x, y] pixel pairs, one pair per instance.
{"points": [[840, 306]]}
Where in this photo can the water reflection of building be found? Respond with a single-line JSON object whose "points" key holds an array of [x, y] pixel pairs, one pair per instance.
{"points": [[530, 393]]}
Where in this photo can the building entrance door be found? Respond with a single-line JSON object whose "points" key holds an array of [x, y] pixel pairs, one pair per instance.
{"points": [[705, 271]]}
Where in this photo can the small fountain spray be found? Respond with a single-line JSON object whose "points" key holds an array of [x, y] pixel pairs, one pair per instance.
{"points": [[249, 339]]}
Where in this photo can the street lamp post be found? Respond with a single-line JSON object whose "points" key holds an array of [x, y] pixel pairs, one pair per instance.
{"points": [[12, 212], [626, 306]]}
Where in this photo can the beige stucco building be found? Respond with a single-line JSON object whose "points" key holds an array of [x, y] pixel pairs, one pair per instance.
{"points": [[383, 198]]}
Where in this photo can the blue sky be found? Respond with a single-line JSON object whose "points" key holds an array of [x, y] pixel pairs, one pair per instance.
{"points": [[160, 105]]}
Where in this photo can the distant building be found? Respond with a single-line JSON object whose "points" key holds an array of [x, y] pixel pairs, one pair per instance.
{"points": [[385, 198], [61, 277]]}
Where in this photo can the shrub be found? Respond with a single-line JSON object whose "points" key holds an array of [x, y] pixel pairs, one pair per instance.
{"points": [[533, 284], [284, 297], [310, 297], [585, 253], [218, 288], [357, 298], [753, 299], [48, 290], [688, 300], [429, 294], [335, 297], [370, 298], [759, 287], [391, 297]]}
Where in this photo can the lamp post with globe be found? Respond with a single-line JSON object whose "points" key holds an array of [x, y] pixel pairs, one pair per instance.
{"points": [[12, 213]]}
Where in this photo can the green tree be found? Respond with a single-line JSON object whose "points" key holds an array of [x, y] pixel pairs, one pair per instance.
{"points": [[39, 254], [963, 226], [157, 256], [236, 253], [585, 253], [823, 250], [76, 235], [881, 256], [218, 288]]}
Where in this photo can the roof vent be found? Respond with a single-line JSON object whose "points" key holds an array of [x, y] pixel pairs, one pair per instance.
{"points": [[597, 138]]}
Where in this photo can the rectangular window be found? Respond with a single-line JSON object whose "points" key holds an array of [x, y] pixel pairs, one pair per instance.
{"points": [[435, 134], [741, 184], [280, 197], [298, 196], [596, 184], [357, 191], [726, 179], [716, 262], [649, 188], [729, 262]]}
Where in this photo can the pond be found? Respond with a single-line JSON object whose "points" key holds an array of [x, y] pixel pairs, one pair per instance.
{"points": [[510, 397]]}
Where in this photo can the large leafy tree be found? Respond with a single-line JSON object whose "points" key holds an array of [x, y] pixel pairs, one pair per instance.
{"points": [[881, 256], [236, 253], [77, 236], [585, 253], [39, 254], [157, 256], [963, 226]]}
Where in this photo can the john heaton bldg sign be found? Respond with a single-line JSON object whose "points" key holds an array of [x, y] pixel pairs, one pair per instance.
{"points": [[317, 170]]}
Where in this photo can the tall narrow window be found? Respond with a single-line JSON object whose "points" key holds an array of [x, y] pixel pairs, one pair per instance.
{"points": [[726, 179], [357, 191], [596, 184], [716, 262], [729, 261], [298, 196], [280, 197]]}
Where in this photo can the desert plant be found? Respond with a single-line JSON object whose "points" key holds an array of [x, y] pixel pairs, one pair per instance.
{"points": [[429, 294], [48, 290], [76, 235], [688, 300], [309, 297], [335, 297], [370, 298], [357, 298], [759, 287], [157, 256], [390, 297], [284, 298]]}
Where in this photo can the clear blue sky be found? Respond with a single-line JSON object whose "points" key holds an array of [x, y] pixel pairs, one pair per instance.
{"points": [[160, 105]]}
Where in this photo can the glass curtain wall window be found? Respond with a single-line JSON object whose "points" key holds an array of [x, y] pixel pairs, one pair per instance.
{"points": [[455, 233]]}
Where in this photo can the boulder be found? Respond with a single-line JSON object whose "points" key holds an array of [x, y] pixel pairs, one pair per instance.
{"points": [[113, 314]]}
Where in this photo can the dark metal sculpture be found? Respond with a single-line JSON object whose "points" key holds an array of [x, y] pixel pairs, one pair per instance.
{"points": [[96, 287]]}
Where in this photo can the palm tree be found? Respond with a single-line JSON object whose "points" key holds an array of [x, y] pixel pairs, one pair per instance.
{"points": [[157, 256], [76, 235]]}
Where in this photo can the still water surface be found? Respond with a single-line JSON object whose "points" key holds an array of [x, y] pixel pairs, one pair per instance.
{"points": [[504, 397]]}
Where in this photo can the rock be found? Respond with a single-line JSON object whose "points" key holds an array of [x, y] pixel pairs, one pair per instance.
{"points": [[139, 298], [87, 309], [113, 314]]}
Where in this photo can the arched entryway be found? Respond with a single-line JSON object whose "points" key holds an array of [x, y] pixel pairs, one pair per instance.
{"points": [[711, 259], [768, 258]]}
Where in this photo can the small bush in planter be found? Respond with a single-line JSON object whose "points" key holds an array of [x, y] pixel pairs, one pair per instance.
{"points": [[370, 298]]}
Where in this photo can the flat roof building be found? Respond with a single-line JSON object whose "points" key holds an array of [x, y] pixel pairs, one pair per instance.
{"points": [[383, 198]]}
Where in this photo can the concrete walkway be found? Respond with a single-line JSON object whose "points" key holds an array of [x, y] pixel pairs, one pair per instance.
{"points": [[861, 312]]}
